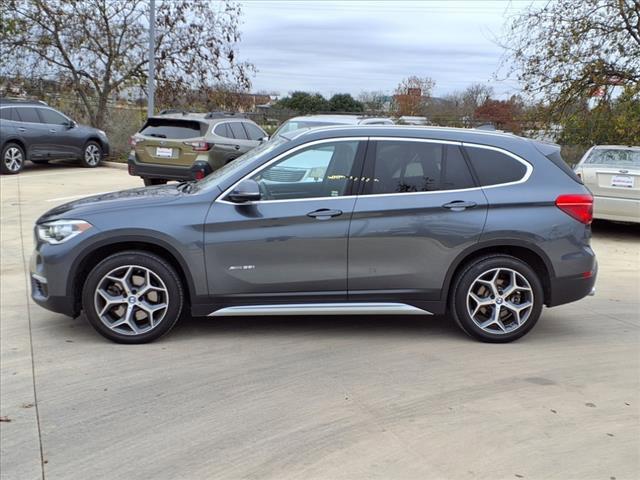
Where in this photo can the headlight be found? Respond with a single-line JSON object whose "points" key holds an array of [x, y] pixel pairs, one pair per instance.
{"points": [[102, 132], [60, 231]]}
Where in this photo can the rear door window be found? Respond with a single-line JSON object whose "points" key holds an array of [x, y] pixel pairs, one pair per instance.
{"points": [[237, 131], [28, 114], [415, 166], [8, 114], [253, 132], [172, 128], [493, 167]]}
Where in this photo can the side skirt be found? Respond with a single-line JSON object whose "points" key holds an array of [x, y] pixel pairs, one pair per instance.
{"points": [[357, 308]]}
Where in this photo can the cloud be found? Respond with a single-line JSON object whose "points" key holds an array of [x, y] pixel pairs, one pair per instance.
{"points": [[353, 46]]}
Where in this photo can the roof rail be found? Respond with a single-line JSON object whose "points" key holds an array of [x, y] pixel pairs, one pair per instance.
{"points": [[221, 114], [21, 100], [168, 111]]}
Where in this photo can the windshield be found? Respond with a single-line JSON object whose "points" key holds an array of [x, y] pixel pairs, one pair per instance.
{"points": [[240, 161], [291, 125], [615, 158]]}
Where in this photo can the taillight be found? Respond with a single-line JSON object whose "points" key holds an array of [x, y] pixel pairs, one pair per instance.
{"points": [[198, 174], [132, 170], [200, 146], [579, 206]]}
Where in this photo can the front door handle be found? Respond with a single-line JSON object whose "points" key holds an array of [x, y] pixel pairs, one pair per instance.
{"points": [[21, 129], [324, 214], [237, 147], [52, 130], [459, 205]]}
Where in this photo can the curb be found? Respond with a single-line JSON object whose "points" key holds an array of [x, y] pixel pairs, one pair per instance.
{"points": [[121, 166]]}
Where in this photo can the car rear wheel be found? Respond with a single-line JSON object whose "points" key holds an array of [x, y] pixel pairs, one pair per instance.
{"points": [[12, 159], [133, 297], [92, 154], [497, 298]]}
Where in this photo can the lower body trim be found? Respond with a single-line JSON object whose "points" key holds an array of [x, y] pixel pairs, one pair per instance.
{"points": [[322, 309]]}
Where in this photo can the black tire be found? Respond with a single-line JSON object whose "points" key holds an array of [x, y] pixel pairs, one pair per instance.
{"points": [[91, 154], [486, 265], [165, 277], [12, 159], [149, 182]]}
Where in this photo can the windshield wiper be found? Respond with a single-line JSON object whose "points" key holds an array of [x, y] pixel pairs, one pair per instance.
{"points": [[186, 186]]}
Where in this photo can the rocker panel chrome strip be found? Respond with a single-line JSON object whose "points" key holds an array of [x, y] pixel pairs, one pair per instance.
{"points": [[360, 308]]}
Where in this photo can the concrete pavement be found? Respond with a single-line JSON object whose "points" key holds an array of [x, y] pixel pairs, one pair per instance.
{"points": [[316, 397]]}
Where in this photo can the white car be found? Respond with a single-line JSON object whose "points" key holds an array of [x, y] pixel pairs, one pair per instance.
{"points": [[612, 173]]}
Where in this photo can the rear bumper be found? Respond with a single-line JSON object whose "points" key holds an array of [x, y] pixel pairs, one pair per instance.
{"points": [[167, 172], [569, 289], [617, 209]]}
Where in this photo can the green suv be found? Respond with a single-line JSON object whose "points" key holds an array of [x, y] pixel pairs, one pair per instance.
{"points": [[177, 145]]}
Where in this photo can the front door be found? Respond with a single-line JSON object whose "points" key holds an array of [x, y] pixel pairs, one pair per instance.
{"points": [[290, 246], [419, 209]]}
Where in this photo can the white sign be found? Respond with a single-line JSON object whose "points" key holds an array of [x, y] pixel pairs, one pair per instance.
{"points": [[624, 181], [164, 152]]}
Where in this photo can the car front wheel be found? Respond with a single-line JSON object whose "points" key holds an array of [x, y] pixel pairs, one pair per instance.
{"points": [[497, 298], [92, 155], [133, 297]]}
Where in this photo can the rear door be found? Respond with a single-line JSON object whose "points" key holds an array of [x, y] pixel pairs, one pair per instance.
{"points": [[418, 210], [164, 141], [242, 142], [60, 141], [33, 132]]}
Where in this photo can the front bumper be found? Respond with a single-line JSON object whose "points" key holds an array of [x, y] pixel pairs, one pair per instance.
{"points": [[49, 285], [166, 172]]}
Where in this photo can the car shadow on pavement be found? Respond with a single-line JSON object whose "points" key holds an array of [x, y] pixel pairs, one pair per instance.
{"points": [[615, 231]]}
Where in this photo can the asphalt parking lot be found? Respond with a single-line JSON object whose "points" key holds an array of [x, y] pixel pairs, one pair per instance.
{"points": [[315, 397]]}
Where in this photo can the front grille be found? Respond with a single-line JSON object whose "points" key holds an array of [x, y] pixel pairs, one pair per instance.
{"points": [[284, 174]]}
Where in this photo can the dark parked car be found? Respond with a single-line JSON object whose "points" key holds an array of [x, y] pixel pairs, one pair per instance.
{"points": [[178, 145], [34, 131], [487, 227]]}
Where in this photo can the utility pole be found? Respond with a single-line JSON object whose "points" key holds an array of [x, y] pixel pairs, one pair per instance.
{"points": [[151, 87]]}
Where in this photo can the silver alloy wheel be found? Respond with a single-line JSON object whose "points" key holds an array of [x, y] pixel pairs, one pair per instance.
{"points": [[500, 300], [92, 155], [131, 300], [13, 159]]}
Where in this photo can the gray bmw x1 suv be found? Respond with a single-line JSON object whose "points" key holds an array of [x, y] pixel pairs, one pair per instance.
{"points": [[485, 227]]}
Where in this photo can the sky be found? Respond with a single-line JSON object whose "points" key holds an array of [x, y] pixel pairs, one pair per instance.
{"points": [[350, 46]]}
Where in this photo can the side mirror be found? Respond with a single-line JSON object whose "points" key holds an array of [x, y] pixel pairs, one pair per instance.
{"points": [[264, 139], [70, 124], [246, 191]]}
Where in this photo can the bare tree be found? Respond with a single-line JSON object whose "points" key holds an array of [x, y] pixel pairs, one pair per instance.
{"points": [[569, 49], [373, 101], [100, 46]]}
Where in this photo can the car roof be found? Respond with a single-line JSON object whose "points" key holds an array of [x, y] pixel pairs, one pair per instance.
{"points": [[460, 134], [616, 147], [5, 102], [210, 117], [336, 119]]}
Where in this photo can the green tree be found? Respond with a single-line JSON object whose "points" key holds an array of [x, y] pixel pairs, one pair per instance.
{"points": [[344, 102], [100, 46], [304, 103]]}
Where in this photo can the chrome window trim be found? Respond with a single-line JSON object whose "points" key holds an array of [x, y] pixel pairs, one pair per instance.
{"points": [[291, 151], [528, 172]]}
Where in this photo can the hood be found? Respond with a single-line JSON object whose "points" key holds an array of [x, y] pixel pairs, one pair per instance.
{"points": [[135, 197]]}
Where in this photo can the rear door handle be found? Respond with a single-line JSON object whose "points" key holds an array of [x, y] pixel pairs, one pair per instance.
{"points": [[324, 214], [237, 147], [21, 129], [52, 130], [459, 205]]}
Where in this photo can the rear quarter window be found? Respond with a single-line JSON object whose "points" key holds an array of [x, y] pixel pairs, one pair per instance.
{"points": [[493, 167], [172, 128]]}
